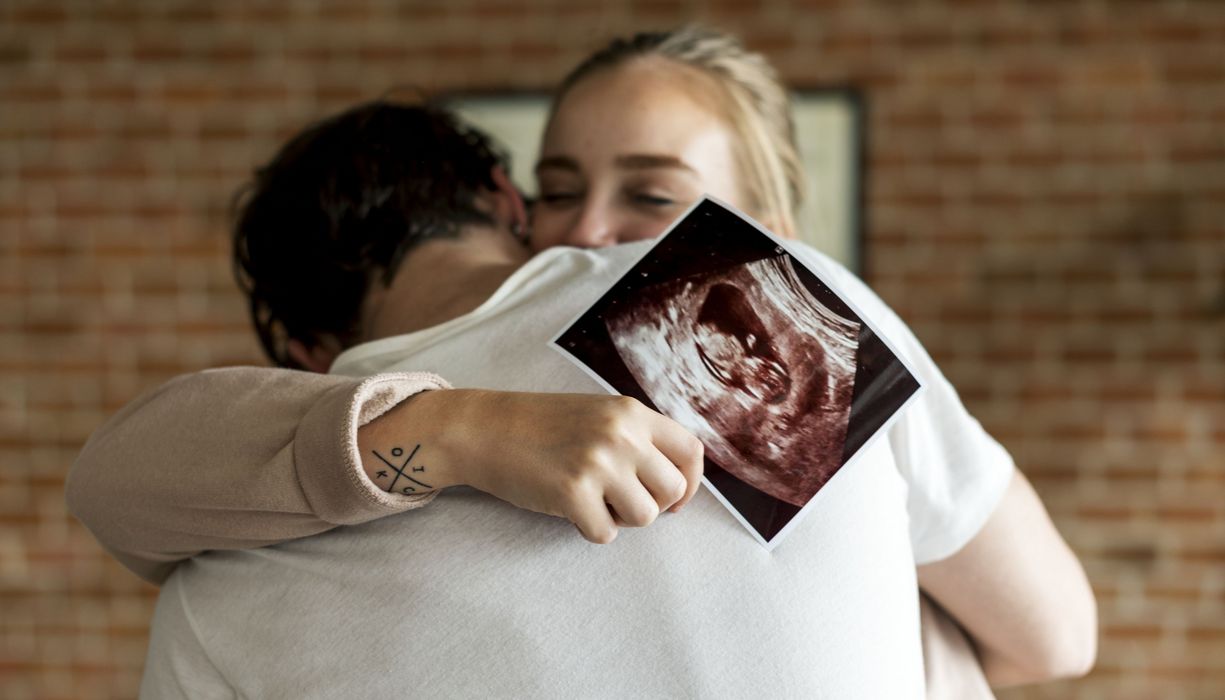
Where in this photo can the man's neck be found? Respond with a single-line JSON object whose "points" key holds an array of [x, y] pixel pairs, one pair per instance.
{"points": [[441, 280]]}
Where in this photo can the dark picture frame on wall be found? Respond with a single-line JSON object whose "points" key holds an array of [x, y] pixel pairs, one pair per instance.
{"points": [[829, 130]]}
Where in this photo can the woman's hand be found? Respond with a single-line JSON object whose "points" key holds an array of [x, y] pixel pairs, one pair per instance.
{"points": [[598, 461]]}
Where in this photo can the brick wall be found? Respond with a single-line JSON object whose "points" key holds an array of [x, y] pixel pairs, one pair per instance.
{"points": [[1046, 206]]}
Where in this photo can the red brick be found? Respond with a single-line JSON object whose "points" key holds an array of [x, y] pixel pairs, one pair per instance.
{"points": [[667, 8], [192, 13], [1091, 432], [270, 14], [37, 14], [1188, 71], [1177, 31], [457, 51], [350, 11], [1206, 390], [1115, 513], [994, 37], [81, 53], [1204, 555], [1133, 632], [915, 39], [16, 93], [730, 13], [414, 13], [1116, 73], [1031, 76], [1112, 392], [533, 50], [1209, 634], [1087, 31], [150, 52], [849, 42], [1207, 152], [195, 95], [498, 9], [1180, 355], [1172, 593], [1189, 514], [232, 53], [998, 118], [915, 118]]}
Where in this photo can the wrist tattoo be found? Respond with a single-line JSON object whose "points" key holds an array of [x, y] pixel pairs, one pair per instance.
{"points": [[403, 472]]}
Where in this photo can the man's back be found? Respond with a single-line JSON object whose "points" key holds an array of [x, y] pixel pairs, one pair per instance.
{"points": [[472, 597]]}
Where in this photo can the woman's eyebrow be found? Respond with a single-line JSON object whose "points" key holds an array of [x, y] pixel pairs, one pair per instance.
{"points": [[631, 161], [557, 162], [642, 161]]}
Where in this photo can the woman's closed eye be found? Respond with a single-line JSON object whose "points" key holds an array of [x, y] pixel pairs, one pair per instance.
{"points": [[652, 199], [559, 197]]}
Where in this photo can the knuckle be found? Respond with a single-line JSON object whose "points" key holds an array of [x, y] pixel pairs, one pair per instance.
{"points": [[591, 460], [601, 469], [603, 535], [676, 491], [621, 412], [696, 450], [575, 490], [626, 403], [642, 514]]}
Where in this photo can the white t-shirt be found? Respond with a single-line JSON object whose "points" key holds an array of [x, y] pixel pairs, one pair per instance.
{"points": [[471, 597]]}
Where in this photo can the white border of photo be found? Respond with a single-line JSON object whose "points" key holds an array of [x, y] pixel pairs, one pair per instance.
{"points": [[798, 258]]}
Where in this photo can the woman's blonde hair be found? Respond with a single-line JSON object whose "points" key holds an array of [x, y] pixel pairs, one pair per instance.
{"points": [[757, 108]]}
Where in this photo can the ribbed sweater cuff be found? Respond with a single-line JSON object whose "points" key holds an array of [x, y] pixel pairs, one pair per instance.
{"points": [[325, 448]]}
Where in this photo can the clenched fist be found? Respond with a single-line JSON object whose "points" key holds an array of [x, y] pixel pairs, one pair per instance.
{"points": [[599, 461]]}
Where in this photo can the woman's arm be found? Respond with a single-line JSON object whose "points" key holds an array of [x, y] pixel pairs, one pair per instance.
{"points": [[1020, 593], [951, 669], [986, 549], [246, 457]]}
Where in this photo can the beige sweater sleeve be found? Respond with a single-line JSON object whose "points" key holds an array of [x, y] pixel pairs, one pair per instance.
{"points": [[234, 459]]}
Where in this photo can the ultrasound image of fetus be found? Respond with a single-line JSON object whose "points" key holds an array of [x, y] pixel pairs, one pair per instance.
{"points": [[751, 362], [735, 346]]}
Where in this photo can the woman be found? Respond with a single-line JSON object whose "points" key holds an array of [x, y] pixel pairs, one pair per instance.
{"points": [[631, 129], [600, 186]]}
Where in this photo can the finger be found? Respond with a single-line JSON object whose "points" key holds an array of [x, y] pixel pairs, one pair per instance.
{"points": [[631, 503], [591, 517], [662, 478], [684, 450]]}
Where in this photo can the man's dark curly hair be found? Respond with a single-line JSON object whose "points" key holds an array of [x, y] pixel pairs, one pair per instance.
{"points": [[339, 206]]}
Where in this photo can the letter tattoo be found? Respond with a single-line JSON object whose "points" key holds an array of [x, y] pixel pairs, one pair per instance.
{"points": [[398, 452]]}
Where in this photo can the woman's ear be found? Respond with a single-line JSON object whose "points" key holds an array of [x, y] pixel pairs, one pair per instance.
{"points": [[316, 358], [508, 202]]}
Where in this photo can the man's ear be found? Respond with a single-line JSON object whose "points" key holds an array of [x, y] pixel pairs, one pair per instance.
{"points": [[508, 202], [316, 358]]}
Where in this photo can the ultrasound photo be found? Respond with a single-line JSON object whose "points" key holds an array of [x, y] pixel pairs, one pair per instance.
{"points": [[751, 363], [720, 328]]}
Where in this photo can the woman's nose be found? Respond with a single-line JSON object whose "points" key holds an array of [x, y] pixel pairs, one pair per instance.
{"points": [[593, 228]]}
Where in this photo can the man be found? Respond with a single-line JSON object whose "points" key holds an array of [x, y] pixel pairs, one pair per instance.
{"points": [[477, 598]]}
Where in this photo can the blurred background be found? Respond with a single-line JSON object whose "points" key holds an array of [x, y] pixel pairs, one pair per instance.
{"points": [[1045, 205]]}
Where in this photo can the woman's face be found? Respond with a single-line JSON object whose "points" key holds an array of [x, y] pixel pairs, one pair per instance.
{"points": [[627, 151]]}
